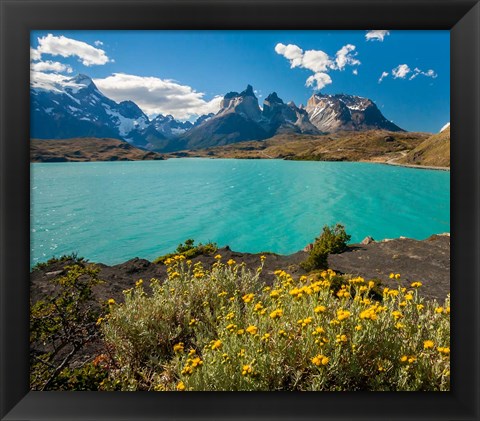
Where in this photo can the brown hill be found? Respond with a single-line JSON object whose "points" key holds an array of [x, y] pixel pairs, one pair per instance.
{"points": [[87, 149], [434, 151], [371, 145]]}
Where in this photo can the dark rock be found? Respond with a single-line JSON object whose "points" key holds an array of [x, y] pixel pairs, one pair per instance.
{"points": [[389, 139]]}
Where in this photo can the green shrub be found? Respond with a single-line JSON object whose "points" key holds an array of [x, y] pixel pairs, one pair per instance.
{"points": [[72, 258], [217, 330], [332, 240], [189, 250], [61, 325]]}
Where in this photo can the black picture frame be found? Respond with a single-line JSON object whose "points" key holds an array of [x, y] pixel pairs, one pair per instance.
{"points": [[19, 17]]}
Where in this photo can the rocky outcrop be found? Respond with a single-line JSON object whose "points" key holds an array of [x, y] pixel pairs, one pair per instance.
{"points": [[332, 113], [426, 261]]}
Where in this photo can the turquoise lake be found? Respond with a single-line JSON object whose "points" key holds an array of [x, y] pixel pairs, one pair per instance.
{"points": [[110, 212]]}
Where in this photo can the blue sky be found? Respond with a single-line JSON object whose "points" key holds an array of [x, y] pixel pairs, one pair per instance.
{"points": [[186, 72]]}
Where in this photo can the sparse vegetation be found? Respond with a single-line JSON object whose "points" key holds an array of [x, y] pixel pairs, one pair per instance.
{"points": [[60, 326], [332, 240], [73, 258], [189, 250]]}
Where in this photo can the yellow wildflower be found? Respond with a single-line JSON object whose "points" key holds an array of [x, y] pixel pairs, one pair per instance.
{"points": [[111, 301], [416, 284], [252, 330], [320, 359], [397, 314], [320, 309], [231, 262], [246, 370], [343, 314], [218, 256], [428, 344], [181, 386], [439, 310], [248, 298], [258, 307], [275, 314], [217, 344], [178, 347]]}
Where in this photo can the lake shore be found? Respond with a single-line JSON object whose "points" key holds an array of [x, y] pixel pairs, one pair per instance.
{"points": [[427, 261]]}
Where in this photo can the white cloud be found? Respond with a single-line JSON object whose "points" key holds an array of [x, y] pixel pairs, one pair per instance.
{"points": [[383, 76], [429, 73], [345, 57], [50, 66], [67, 47], [355, 71], [318, 61], [158, 96], [290, 52], [319, 80], [376, 35], [34, 55], [401, 71], [98, 43]]}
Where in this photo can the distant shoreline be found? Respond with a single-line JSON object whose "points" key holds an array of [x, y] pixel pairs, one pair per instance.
{"points": [[420, 167]]}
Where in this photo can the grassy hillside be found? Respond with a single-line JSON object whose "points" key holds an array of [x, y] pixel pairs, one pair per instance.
{"points": [[372, 145], [86, 149], [434, 151]]}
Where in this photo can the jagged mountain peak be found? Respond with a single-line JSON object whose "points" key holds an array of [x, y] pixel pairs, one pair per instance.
{"points": [[330, 113], [248, 91], [81, 79], [273, 98]]}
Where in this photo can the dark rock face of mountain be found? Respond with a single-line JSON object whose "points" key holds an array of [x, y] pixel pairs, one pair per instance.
{"points": [[286, 118], [332, 113], [240, 118]]}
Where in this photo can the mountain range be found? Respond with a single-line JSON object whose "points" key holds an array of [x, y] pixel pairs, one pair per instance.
{"points": [[75, 107]]}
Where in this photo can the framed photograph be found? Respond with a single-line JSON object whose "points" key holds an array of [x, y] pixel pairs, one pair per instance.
{"points": [[240, 198]]}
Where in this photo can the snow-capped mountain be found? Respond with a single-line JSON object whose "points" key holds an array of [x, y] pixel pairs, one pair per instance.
{"points": [[72, 107], [332, 113], [63, 107]]}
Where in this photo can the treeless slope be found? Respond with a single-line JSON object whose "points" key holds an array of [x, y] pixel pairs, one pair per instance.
{"points": [[371, 145], [87, 149], [434, 151]]}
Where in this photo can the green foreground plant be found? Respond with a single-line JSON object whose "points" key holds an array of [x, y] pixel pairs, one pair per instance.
{"points": [[189, 250], [332, 240], [219, 329], [60, 327]]}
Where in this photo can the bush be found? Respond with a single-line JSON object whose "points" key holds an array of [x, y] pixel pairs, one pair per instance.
{"points": [[332, 240], [189, 250], [61, 325], [216, 330], [71, 258]]}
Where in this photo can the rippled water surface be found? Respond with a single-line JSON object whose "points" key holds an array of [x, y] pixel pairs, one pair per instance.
{"points": [[112, 211]]}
